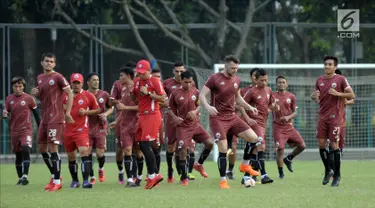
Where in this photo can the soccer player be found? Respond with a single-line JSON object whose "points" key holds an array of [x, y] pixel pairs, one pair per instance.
{"points": [[283, 129], [224, 89], [19, 106], [76, 136], [98, 125], [147, 93], [184, 109], [170, 85], [137, 168], [127, 122], [51, 87], [259, 96], [160, 140], [331, 89], [233, 140]]}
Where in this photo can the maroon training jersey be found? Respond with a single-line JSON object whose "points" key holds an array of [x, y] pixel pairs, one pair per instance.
{"points": [[181, 102], [259, 98], [20, 109], [172, 84], [331, 108], [128, 117], [287, 103], [223, 93], [51, 89], [95, 122]]}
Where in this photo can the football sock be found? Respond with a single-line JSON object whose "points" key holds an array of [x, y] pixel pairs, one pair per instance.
{"points": [[262, 165], [128, 160], [204, 155], [169, 163], [73, 169], [47, 161], [337, 158], [146, 148], [324, 156], [92, 167], [18, 164], [25, 159], [120, 167], [55, 165], [101, 161], [222, 163]]}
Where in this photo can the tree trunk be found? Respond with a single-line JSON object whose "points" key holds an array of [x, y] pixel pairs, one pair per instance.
{"points": [[29, 58]]}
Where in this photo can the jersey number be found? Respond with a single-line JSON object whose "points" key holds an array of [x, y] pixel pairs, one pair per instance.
{"points": [[52, 133], [336, 131]]}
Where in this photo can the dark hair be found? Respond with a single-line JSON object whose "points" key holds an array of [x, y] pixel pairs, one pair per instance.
{"points": [[253, 70], [260, 72], [48, 55], [231, 58], [281, 77], [127, 71], [19, 80], [334, 58], [178, 63], [186, 74], [338, 72], [156, 71], [131, 64], [88, 78]]}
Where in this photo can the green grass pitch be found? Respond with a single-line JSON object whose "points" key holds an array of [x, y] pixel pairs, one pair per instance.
{"points": [[300, 189]]}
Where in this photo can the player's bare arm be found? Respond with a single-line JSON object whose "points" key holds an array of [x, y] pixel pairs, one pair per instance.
{"points": [[166, 101], [108, 112], [69, 104], [193, 114], [203, 99], [241, 102], [83, 112], [154, 96], [289, 117], [120, 106], [347, 94], [349, 102], [245, 116]]}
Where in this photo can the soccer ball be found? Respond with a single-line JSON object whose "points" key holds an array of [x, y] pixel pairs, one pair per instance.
{"points": [[248, 182]]}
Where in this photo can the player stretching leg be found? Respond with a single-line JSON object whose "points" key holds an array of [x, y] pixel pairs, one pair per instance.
{"points": [[330, 90], [50, 90], [147, 93], [224, 89], [184, 109], [76, 136], [98, 125], [19, 105], [260, 96], [283, 129]]}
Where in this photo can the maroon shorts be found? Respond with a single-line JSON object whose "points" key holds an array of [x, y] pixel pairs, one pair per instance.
{"points": [[21, 140], [283, 134], [72, 142], [186, 135], [342, 137], [328, 131], [220, 126], [259, 131], [148, 127], [161, 132], [51, 133], [98, 142], [127, 139], [171, 131]]}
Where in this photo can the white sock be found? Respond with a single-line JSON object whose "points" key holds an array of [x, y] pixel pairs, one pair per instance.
{"points": [[101, 168], [245, 162], [139, 177], [56, 181], [130, 180], [223, 178], [24, 176], [264, 176], [52, 175], [151, 176], [121, 171]]}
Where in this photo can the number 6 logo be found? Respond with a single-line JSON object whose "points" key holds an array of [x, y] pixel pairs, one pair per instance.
{"points": [[52, 133]]}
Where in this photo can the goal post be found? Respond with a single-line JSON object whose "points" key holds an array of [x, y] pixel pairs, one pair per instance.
{"points": [[360, 125]]}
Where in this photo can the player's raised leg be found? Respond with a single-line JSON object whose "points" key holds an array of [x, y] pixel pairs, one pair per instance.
{"points": [[202, 136]]}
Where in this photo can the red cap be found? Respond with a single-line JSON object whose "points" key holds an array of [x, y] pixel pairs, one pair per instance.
{"points": [[143, 66], [76, 77]]}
